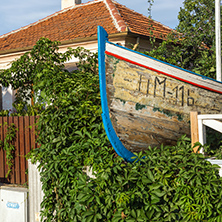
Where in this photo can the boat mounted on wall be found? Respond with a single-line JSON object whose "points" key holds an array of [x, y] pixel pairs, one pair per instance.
{"points": [[147, 102]]}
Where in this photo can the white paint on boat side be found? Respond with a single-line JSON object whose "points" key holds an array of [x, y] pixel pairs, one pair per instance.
{"points": [[164, 68]]}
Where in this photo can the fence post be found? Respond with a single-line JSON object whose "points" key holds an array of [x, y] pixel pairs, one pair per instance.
{"points": [[36, 194], [202, 133], [194, 129]]}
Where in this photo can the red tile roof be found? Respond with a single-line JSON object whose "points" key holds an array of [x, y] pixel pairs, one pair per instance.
{"points": [[141, 24], [81, 21]]}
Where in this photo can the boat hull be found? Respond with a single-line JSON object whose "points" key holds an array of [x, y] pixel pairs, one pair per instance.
{"points": [[149, 108], [147, 102]]}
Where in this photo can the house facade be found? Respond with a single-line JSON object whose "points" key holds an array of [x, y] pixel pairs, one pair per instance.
{"points": [[76, 25]]}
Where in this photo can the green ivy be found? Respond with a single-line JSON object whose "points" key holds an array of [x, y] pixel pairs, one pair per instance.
{"points": [[24, 109], [170, 184], [192, 45], [213, 148], [150, 3], [4, 113], [8, 145]]}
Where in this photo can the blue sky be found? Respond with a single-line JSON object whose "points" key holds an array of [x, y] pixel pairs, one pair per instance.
{"points": [[15, 14]]}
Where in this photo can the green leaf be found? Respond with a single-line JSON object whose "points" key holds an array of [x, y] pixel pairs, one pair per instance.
{"points": [[150, 175]]}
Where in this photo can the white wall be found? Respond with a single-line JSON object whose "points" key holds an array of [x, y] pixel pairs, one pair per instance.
{"points": [[8, 98]]}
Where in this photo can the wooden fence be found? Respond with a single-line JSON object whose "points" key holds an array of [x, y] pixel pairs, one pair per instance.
{"points": [[25, 141]]}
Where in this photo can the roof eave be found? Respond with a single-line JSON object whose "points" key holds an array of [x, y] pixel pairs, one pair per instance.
{"points": [[66, 42], [134, 34]]}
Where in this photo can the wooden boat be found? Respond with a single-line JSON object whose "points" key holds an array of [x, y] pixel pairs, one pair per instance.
{"points": [[147, 102]]}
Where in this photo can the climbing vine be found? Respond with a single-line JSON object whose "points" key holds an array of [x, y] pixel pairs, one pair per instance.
{"points": [[170, 184], [150, 4], [8, 146], [192, 45]]}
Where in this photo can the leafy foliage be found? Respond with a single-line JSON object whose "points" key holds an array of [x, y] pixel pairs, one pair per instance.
{"points": [[150, 3], [4, 113], [8, 145], [32, 75], [213, 147], [170, 184], [21, 108], [22, 72], [192, 46]]}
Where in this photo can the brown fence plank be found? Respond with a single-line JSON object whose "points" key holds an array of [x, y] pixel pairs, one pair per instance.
{"points": [[2, 160], [22, 148], [37, 145], [17, 152], [12, 174], [24, 142], [5, 126], [27, 140], [32, 130]]}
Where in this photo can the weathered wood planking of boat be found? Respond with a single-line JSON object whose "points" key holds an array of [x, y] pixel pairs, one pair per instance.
{"points": [[147, 102]]}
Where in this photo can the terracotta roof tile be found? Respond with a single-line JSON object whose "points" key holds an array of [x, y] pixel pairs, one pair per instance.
{"points": [[141, 24], [82, 21]]}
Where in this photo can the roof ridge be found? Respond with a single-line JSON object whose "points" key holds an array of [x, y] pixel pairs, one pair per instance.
{"points": [[48, 17], [114, 12]]}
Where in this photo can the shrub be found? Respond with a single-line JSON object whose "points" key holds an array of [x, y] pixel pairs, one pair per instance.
{"points": [[169, 184]]}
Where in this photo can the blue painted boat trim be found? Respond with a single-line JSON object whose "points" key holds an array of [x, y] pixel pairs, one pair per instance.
{"points": [[203, 77], [113, 138]]}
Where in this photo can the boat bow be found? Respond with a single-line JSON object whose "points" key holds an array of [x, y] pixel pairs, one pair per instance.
{"points": [[113, 138]]}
